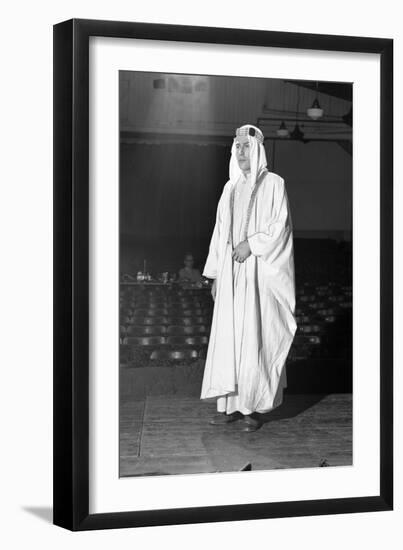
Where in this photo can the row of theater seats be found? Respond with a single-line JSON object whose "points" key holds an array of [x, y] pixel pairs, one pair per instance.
{"points": [[164, 325], [323, 315]]}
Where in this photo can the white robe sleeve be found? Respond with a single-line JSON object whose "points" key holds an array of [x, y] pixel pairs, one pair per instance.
{"points": [[210, 268], [269, 243]]}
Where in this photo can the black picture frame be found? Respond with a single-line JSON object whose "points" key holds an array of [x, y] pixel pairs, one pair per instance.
{"points": [[72, 285]]}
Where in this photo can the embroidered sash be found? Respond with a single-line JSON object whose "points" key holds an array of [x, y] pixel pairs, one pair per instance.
{"points": [[248, 212]]}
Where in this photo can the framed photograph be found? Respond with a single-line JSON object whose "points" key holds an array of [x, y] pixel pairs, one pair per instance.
{"points": [[223, 259]]}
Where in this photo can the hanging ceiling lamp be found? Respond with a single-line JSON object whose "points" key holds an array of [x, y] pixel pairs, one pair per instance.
{"points": [[315, 112], [283, 131], [297, 133]]}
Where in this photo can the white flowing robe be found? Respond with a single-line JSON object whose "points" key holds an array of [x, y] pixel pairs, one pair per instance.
{"points": [[253, 322]]}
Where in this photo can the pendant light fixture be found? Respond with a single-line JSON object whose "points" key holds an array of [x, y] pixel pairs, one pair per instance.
{"points": [[297, 133], [283, 131], [315, 112]]}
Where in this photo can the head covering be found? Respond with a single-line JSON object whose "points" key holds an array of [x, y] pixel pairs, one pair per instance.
{"points": [[257, 154]]}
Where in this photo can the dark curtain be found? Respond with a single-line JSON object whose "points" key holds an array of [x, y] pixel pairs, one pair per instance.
{"points": [[168, 201]]}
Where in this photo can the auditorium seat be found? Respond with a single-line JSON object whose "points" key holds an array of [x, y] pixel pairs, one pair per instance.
{"points": [[303, 340], [301, 319], [190, 321], [197, 329], [151, 312], [146, 330], [172, 324], [317, 305], [195, 312], [126, 312], [307, 298], [145, 340], [124, 355], [329, 318], [187, 340], [308, 329], [175, 355], [151, 320]]}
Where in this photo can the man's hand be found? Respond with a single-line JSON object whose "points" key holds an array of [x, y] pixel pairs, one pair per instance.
{"points": [[241, 252], [214, 289]]}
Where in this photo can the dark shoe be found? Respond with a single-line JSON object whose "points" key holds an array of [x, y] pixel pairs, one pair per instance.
{"points": [[251, 424], [223, 418]]}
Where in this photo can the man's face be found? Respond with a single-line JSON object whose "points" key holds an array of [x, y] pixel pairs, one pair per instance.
{"points": [[189, 261], [242, 149]]}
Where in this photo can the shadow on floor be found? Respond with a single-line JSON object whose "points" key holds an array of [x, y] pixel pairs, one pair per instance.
{"points": [[44, 513], [292, 406]]}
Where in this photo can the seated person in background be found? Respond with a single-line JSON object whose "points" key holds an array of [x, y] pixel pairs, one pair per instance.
{"points": [[189, 274]]}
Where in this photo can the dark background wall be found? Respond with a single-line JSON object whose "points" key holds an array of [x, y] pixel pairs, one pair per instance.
{"points": [[169, 194], [318, 176]]}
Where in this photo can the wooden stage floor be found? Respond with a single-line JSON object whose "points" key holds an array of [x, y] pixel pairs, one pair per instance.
{"points": [[171, 435]]}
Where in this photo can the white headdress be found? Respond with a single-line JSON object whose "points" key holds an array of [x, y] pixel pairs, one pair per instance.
{"points": [[257, 154]]}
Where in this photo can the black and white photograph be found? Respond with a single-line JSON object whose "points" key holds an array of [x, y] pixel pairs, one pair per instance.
{"points": [[201, 249], [235, 274]]}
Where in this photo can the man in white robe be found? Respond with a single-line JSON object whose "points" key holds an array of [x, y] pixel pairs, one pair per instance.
{"points": [[251, 261]]}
